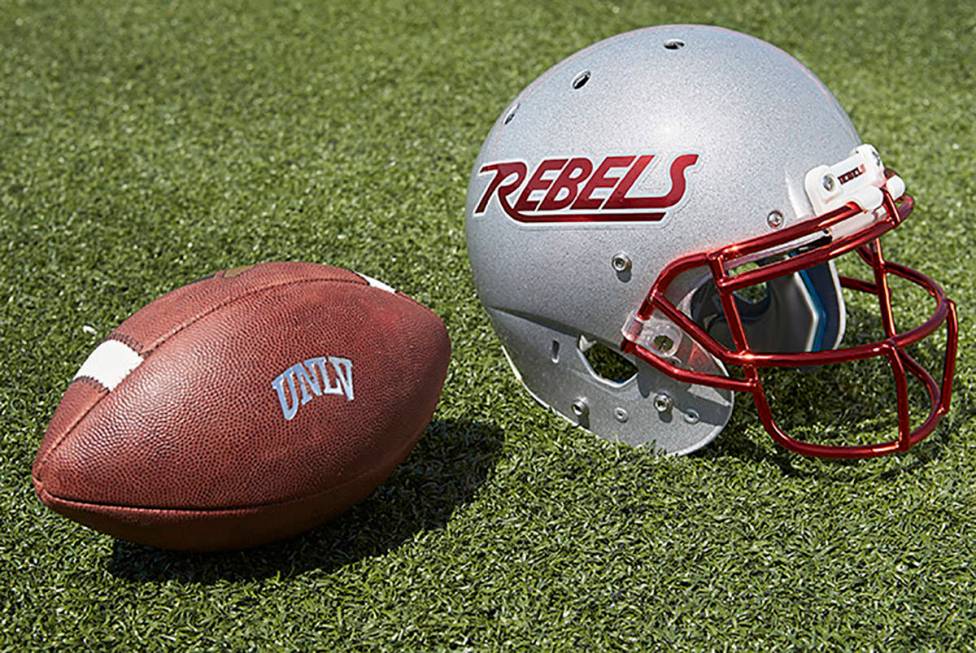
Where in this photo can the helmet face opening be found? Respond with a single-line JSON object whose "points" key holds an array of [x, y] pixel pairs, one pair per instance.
{"points": [[802, 311], [743, 353]]}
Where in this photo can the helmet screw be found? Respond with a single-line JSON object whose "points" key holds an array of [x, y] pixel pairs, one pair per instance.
{"points": [[877, 157], [621, 414], [663, 403], [774, 219], [692, 416], [829, 182], [621, 262], [580, 407]]}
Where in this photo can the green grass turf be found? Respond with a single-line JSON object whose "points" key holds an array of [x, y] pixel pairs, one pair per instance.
{"points": [[143, 145]]}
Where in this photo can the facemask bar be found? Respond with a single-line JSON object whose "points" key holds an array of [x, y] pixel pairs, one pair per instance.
{"points": [[841, 239]]}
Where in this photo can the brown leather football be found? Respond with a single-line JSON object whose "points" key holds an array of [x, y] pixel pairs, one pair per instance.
{"points": [[244, 408]]}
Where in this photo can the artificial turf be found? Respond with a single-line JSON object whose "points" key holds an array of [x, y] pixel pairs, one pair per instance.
{"points": [[144, 145]]}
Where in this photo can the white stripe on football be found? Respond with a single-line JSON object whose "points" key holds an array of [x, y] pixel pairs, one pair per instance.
{"points": [[111, 362], [376, 283]]}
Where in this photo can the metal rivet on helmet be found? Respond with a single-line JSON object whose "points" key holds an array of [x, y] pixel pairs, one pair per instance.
{"points": [[580, 407], [620, 262], [663, 403]]}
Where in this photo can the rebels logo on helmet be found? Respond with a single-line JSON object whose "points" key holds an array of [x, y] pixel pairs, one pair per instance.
{"points": [[578, 189]]}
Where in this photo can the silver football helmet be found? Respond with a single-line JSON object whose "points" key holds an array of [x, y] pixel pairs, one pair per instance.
{"points": [[634, 197]]}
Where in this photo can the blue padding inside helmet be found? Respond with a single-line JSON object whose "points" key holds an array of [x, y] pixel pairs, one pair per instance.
{"points": [[819, 283]]}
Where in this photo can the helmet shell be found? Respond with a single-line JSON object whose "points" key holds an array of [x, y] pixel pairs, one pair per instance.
{"points": [[757, 120]]}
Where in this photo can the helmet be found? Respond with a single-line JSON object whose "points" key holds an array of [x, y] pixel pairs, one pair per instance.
{"points": [[635, 196]]}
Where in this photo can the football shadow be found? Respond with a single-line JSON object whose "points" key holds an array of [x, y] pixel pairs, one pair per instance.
{"points": [[442, 474]]}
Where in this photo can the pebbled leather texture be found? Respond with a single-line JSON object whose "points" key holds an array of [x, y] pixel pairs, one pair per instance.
{"points": [[192, 451]]}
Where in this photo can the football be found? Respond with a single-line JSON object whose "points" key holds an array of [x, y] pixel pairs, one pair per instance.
{"points": [[243, 408]]}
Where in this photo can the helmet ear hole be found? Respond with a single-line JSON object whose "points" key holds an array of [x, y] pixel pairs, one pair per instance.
{"points": [[605, 363]]}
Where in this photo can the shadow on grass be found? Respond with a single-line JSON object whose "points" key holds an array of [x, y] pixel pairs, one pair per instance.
{"points": [[443, 473]]}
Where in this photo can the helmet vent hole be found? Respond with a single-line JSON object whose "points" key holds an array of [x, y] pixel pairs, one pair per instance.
{"points": [[674, 44], [606, 363], [663, 344], [511, 114], [554, 353], [580, 80]]}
